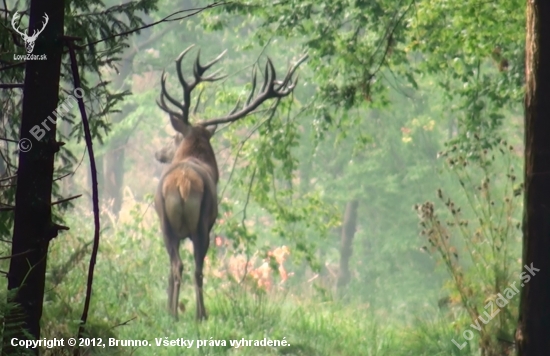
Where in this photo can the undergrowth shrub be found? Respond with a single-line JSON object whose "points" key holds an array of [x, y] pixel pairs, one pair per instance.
{"points": [[478, 241]]}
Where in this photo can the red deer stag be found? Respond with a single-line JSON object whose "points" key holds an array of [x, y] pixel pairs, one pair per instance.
{"points": [[186, 199]]}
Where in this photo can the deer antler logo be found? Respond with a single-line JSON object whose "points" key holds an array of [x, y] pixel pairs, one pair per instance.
{"points": [[29, 40]]}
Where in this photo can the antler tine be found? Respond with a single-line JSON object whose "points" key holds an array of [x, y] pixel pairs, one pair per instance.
{"points": [[202, 69], [289, 88], [198, 102], [291, 70], [178, 66], [187, 88], [36, 32], [198, 71], [268, 91], [164, 92], [266, 77], [162, 105], [251, 95], [15, 17], [236, 107], [212, 77]]}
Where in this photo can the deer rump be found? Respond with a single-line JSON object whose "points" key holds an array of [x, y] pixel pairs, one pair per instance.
{"points": [[187, 200]]}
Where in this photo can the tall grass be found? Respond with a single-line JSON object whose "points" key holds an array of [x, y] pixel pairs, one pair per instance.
{"points": [[130, 303]]}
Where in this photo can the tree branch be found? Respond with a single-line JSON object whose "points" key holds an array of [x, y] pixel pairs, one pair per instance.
{"points": [[166, 19], [95, 192], [12, 86]]}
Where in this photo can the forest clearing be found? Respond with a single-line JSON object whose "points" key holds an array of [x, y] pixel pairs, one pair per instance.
{"points": [[275, 178]]}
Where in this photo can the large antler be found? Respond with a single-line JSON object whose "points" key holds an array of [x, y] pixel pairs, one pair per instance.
{"points": [[35, 33], [198, 71], [271, 88], [15, 27]]}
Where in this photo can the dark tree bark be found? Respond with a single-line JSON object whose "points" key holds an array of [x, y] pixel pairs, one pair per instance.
{"points": [[67, 183], [33, 227], [534, 317], [349, 227]]}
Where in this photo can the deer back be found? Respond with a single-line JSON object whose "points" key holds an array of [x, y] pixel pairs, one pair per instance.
{"points": [[188, 186]]}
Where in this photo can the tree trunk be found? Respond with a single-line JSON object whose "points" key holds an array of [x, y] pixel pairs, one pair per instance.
{"points": [[33, 227], [346, 242], [534, 316], [113, 175], [100, 183], [113, 161]]}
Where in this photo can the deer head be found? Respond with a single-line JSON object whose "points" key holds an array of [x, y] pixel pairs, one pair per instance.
{"points": [[186, 198], [29, 40]]}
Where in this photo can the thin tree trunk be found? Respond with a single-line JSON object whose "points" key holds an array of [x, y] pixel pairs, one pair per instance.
{"points": [[114, 175], [534, 316], [346, 242], [113, 162], [113, 172], [33, 227], [100, 182]]}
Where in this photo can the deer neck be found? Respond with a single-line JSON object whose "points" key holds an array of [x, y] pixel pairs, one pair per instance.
{"points": [[198, 150]]}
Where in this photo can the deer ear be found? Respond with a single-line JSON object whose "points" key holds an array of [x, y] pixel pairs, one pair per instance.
{"points": [[180, 126], [212, 129]]}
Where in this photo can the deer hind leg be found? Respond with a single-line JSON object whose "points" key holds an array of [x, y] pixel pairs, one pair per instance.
{"points": [[174, 283], [201, 243]]}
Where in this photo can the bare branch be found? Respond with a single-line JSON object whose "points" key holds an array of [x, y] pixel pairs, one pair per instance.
{"points": [[168, 18], [95, 192], [66, 199], [12, 86]]}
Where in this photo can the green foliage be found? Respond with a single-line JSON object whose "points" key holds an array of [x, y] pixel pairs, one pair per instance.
{"points": [[384, 157], [130, 304], [97, 24], [387, 85], [476, 50], [12, 327], [348, 41]]}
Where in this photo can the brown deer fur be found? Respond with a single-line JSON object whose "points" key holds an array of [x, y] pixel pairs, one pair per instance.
{"points": [[186, 199]]}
